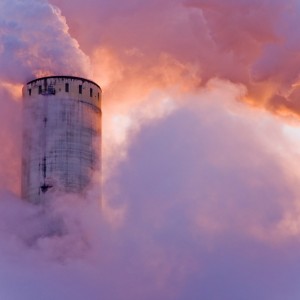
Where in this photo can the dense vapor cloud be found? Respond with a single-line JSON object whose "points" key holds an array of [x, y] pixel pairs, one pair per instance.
{"points": [[201, 197], [203, 201], [261, 36], [249, 42], [10, 135], [34, 40]]}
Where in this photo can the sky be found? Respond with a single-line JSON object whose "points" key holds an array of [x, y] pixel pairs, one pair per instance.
{"points": [[200, 148]]}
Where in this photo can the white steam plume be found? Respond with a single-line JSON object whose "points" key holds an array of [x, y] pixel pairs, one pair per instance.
{"points": [[202, 189], [34, 41]]}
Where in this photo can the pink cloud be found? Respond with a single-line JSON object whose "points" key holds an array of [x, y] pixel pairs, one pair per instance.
{"points": [[201, 191]]}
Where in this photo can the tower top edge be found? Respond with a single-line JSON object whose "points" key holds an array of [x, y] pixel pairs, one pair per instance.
{"points": [[64, 77]]}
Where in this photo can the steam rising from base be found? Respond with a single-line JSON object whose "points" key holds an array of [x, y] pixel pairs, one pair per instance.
{"points": [[201, 192]]}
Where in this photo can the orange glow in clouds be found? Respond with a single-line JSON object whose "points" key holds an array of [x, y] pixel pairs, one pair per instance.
{"points": [[201, 105]]}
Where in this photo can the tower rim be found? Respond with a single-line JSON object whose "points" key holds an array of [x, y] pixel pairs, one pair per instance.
{"points": [[64, 77]]}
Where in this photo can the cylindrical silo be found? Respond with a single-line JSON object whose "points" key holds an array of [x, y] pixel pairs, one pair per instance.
{"points": [[61, 137]]}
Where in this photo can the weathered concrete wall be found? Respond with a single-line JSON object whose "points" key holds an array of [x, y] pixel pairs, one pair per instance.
{"points": [[61, 137]]}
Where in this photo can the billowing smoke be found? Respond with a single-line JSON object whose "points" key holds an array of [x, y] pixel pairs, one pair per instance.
{"points": [[249, 42], [201, 197], [35, 41]]}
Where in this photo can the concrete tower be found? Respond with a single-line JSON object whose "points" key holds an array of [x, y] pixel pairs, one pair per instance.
{"points": [[61, 137]]}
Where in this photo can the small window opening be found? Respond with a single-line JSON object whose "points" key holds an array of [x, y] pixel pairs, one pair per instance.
{"points": [[80, 89], [29, 92], [67, 88], [40, 89], [91, 92]]}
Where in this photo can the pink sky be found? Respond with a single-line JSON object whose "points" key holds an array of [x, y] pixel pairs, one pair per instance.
{"points": [[201, 147]]}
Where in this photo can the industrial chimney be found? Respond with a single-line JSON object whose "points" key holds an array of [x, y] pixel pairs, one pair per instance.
{"points": [[61, 136]]}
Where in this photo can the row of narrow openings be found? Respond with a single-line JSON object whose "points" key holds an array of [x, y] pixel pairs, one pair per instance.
{"points": [[67, 89]]}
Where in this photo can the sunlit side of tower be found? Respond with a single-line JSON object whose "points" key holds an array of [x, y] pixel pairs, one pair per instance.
{"points": [[61, 136]]}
